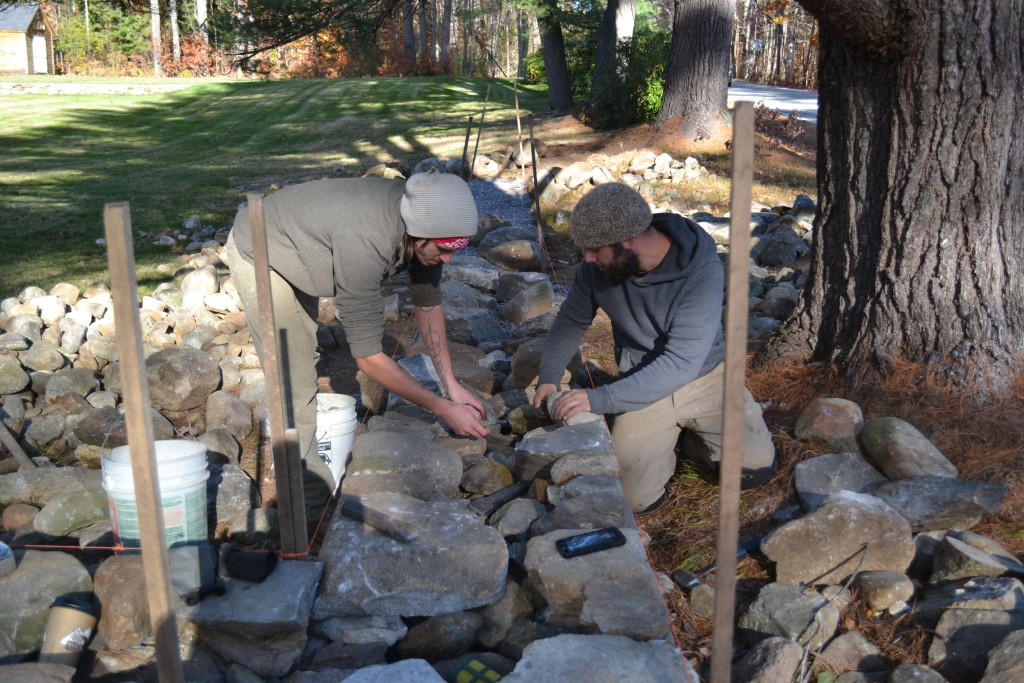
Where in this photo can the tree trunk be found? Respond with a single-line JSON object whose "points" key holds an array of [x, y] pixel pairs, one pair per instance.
{"points": [[918, 249], [154, 29], [408, 34], [172, 7], [522, 42], [204, 32], [603, 81], [625, 19], [446, 38], [553, 46], [696, 77]]}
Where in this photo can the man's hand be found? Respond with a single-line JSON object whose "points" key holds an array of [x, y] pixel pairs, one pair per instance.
{"points": [[543, 391], [464, 419], [570, 403], [460, 394]]}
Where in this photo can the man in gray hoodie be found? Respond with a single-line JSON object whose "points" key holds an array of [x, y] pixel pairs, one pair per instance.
{"points": [[341, 238], [661, 283]]}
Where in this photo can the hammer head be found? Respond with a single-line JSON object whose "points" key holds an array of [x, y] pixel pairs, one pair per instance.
{"points": [[685, 580]]}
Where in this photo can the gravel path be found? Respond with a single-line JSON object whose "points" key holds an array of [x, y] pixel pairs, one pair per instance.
{"points": [[505, 198]]}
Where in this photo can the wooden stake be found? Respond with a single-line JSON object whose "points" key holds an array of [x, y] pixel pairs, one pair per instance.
{"points": [[159, 592], [732, 402], [536, 188], [519, 131], [24, 462], [479, 130], [291, 503], [466, 172]]}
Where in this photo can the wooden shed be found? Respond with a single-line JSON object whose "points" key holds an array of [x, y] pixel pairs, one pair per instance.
{"points": [[26, 41]]}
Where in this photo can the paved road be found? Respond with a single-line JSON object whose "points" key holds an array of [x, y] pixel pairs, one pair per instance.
{"points": [[803, 102]]}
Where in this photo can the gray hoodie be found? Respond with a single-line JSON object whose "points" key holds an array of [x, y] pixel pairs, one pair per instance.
{"points": [[342, 237], [667, 324]]}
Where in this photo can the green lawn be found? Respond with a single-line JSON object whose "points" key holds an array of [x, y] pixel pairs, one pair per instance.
{"points": [[199, 150]]}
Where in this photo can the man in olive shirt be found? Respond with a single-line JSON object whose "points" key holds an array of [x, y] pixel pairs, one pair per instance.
{"points": [[342, 238]]}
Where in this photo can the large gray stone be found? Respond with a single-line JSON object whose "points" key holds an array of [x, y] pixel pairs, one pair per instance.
{"points": [[361, 630], [442, 637], [473, 326], [611, 591], [106, 427], [900, 450], [454, 562], [460, 295], [13, 377], [124, 611], [72, 510], [915, 673], [993, 594], [511, 283], [405, 671], [817, 478], [850, 531], [27, 593], [519, 255], [474, 271], [882, 590], [40, 485], [850, 652], [790, 611], [963, 638], [37, 672], [402, 463], [280, 604], [600, 659], [529, 303], [81, 381], [181, 378], [227, 411], [538, 450], [274, 655], [941, 502], [1006, 660], [955, 560], [594, 511], [43, 357], [230, 492], [993, 548]]}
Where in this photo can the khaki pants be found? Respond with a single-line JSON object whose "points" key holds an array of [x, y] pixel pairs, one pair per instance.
{"points": [[645, 439], [295, 315]]}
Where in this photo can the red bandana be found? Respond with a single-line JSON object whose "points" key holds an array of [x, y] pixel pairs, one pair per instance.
{"points": [[452, 243]]}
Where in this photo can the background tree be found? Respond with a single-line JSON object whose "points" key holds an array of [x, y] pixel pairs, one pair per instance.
{"points": [[154, 31], [553, 47], [696, 77], [918, 249]]}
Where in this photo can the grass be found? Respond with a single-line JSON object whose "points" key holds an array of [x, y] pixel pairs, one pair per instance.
{"points": [[197, 151]]}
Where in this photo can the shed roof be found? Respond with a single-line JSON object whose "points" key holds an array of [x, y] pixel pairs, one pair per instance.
{"points": [[17, 17]]}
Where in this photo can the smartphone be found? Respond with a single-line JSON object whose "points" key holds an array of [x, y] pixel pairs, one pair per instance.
{"points": [[589, 542]]}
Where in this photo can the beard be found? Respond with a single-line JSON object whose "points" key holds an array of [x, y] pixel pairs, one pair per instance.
{"points": [[625, 265]]}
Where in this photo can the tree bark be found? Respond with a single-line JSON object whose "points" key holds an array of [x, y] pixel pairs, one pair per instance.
{"points": [[446, 37], [553, 47], [154, 29], [698, 64], [172, 7], [408, 34], [918, 249], [204, 31]]}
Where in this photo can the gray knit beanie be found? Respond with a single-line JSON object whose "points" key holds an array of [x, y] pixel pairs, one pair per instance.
{"points": [[438, 205], [608, 214]]}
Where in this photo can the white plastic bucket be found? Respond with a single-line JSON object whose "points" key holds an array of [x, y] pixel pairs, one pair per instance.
{"points": [[181, 479], [336, 425]]}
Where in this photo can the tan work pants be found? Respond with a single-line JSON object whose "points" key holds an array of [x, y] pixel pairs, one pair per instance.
{"points": [[645, 439], [295, 314]]}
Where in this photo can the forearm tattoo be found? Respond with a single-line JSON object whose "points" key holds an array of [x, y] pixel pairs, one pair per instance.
{"points": [[432, 340]]}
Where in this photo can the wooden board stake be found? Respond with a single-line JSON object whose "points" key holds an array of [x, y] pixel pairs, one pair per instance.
{"points": [[732, 403], [291, 503], [135, 387], [24, 462], [465, 170], [519, 131], [480, 129], [536, 188]]}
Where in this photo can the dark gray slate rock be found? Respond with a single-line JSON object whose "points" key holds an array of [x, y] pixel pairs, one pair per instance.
{"points": [[963, 638], [106, 427], [402, 463], [454, 563], [512, 283], [993, 548], [915, 673], [539, 449], [587, 485], [595, 511], [181, 378], [27, 593], [848, 532], [817, 478], [780, 300], [575, 465], [227, 411], [255, 526], [835, 420], [474, 271], [529, 303], [70, 511], [790, 611], [516, 516], [955, 560], [442, 637], [610, 591], [500, 616], [37, 672], [221, 446], [770, 660], [599, 658], [40, 485], [1006, 660], [13, 377], [350, 656], [941, 502], [361, 630], [460, 295], [405, 671], [280, 604], [266, 655], [473, 326], [900, 450]]}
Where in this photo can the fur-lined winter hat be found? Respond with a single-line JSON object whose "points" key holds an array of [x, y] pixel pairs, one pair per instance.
{"points": [[609, 214], [438, 205]]}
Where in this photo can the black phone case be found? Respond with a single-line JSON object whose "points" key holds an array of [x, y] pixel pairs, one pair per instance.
{"points": [[589, 542]]}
